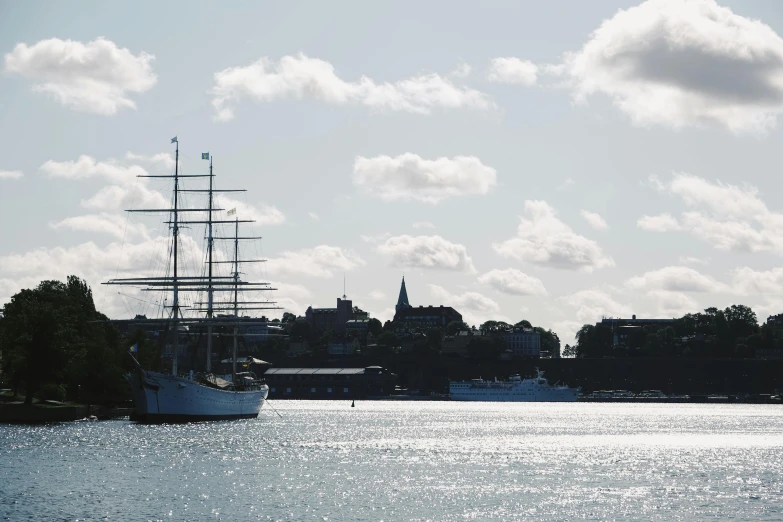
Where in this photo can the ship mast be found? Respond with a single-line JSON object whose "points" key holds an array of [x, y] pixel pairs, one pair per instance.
{"points": [[236, 304], [209, 269], [174, 281]]}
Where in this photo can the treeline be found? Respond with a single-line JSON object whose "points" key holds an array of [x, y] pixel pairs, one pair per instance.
{"points": [[733, 332], [55, 345]]}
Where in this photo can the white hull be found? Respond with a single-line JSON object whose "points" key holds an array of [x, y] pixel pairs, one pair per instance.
{"points": [[159, 397], [517, 389], [567, 395]]}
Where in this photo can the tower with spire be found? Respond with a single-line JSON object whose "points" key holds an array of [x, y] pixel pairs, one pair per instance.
{"points": [[402, 301]]}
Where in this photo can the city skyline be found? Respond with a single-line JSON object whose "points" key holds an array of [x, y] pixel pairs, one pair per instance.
{"points": [[512, 162]]}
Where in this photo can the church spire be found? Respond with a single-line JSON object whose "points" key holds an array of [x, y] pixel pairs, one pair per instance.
{"points": [[402, 301]]}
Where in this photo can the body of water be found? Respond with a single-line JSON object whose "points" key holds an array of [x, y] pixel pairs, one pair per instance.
{"points": [[439, 461]]}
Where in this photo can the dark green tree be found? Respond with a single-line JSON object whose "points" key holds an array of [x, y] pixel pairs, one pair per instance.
{"points": [[375, 327]]}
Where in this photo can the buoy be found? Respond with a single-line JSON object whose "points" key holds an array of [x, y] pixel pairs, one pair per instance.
{"points": [[353, 404]]}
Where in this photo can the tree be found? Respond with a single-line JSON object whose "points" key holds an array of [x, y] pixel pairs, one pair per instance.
{"points": [[301, 331], [456, 326], [524, 323], [570, 351], [288, 317], [50, 335], [375, 327], [434, 338], [388, 339], [494, 327]]}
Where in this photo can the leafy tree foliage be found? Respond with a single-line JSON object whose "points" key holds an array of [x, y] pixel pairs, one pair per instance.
{"points": [[375, 327], [50, 335], [456, 326]]}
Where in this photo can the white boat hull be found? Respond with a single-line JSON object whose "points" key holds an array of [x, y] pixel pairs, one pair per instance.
{"points": [[564, 395], [159, 397]]}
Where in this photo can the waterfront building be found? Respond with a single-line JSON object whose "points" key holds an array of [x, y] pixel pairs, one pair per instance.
{"points": [[322, 319], [408, 318], [523, 342], [622, 328], [329, 383]]}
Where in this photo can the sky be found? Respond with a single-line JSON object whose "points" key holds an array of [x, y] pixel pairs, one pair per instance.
{"points": [[556, 161]]}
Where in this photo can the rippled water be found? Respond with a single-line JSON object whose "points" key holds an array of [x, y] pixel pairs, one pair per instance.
{"points": [[406, 461]]}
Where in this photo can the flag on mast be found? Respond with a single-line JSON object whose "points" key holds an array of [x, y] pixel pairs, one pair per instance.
{"points": [[134, 348], [174, 140], [205, 155]]}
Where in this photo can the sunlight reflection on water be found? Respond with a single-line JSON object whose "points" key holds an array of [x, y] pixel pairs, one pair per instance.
{"points": [[406, 461]]}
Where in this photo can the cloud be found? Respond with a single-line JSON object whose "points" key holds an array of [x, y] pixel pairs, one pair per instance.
{"points": [[673, 304], [592, 305], [313, 216], [474, 307], [128, 196], [266, 215], [113, 224], [566, 184], [423, 224], [377, 295], [97, 264], [512, 70], [300, 76], [320, 261], [659, 223], [432, 252], [462, 70], [690, 260], [594, 220], [747, 281], [95, 77], [163, 159], [410, 177], [512, 281], [11, 174], [88, 167], [679, 63], [729, 217], [676, 279], [544, 240]]}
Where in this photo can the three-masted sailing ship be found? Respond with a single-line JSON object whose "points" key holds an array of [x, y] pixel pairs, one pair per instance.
{"points": [[198, 395]]}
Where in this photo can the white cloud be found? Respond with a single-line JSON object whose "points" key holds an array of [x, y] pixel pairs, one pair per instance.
{"points": [[474, 307], [87, 167], [96, 264], [113, 224], [300, 76], [426, 252], [594, 220], [733, 218], [512, 281], [659, 223], [377, 295], [313, 216], [10, 174], [266, 215], [462, 70], [94, 77], [719, 198], [410, 177], [690, 260], [123, 197], [161, 159], [678, 63], [566, 331], [512, 70], [544, 240], [677, 279], [592, 305], [566, 184], [423, 224], [747, 281], [673, 304], [320, 261]]}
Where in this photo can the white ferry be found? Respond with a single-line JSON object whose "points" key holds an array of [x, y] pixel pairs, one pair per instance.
{"points": [[515, 389]]}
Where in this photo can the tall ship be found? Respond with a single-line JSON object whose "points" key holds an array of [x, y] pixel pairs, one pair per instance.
{"points": [[516, 389], [211, 307]]}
